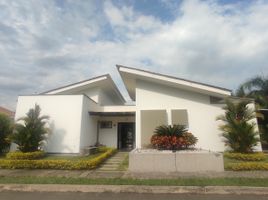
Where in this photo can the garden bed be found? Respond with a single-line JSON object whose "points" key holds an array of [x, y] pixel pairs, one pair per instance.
{"points": [[246, 162], [59, 162], [152, 160]]}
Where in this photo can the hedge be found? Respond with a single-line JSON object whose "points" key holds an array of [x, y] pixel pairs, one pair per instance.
{"points": [[17, 155], [245, 166], [246, 157], [57, 164]]}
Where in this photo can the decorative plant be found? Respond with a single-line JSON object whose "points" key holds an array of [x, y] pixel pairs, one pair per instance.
{"points": [[30, 134], [257, 88], [238, 129], [5, 131], [172, 137]]}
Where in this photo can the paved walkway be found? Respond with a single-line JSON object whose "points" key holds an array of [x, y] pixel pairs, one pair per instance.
{"points": [[112, 164]]}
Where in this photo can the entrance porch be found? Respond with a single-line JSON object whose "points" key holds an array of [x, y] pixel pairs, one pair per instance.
{"points": [[116, 129]]}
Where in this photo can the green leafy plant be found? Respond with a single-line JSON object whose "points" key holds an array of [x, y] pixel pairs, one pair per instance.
{"points": [[57, 164], [172, 137], [259, 156], [257, 88], [5, 131], [238, 129], [170, 130], [17, 155], [31, 133]]}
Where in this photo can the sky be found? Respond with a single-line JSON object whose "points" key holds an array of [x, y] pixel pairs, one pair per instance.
{"points": [[51, 43]]}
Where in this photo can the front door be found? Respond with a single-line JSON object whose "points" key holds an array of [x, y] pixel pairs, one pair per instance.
{"points": [[126, 135]]}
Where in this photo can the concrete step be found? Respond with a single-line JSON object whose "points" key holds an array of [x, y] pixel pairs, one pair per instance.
{"points": [[107, 169], [111, 164]]}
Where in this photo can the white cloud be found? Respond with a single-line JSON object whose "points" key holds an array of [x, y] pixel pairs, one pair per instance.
{"points": [[48, 44]]}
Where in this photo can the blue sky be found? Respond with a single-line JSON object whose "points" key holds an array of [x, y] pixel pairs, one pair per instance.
{"points": [[47, 44]]}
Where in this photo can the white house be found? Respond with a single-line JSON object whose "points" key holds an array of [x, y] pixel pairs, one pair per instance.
{"points": [[94, 111]]}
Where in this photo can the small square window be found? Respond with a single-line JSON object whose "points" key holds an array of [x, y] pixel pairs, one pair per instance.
{"points": [[106, 124]]}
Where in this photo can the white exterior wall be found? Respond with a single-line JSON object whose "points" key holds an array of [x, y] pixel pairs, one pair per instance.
{"points": [[108, 136], [201, 114], [65, 119], [88, 134]]}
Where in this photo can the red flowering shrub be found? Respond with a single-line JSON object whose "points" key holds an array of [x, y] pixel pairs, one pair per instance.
{"points": [[166, 141]]}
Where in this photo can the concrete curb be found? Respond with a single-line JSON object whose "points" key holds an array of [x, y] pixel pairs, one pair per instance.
{"points": [[134, 189]]}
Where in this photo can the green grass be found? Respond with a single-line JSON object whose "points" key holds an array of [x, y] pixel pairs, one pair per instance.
{"points": [[124, 164], [254, 182]]}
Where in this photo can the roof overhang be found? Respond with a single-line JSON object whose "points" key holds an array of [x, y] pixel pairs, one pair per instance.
{"points": [[131, 75], [112, 114], [104, 82]]}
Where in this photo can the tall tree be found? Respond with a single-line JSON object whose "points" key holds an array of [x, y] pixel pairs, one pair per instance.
{"points": [[5, 131], [256, 88]]}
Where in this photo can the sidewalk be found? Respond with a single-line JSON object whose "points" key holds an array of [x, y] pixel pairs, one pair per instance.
{"points": [[135, 189], [127, 174]]}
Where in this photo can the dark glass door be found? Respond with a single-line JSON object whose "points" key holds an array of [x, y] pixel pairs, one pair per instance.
{"points": [[126, 135]]}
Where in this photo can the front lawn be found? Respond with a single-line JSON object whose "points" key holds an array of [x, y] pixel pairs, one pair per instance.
{"points": [[254, 182]]}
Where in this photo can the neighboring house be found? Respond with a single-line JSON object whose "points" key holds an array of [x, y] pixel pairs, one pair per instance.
{"points": [[7, 112], [94, 111]]}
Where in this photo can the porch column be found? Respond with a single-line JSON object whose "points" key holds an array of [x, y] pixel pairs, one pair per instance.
{"points": [[138, 129]]}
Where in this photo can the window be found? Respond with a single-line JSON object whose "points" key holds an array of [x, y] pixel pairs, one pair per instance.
{"points": [[106, 124]]}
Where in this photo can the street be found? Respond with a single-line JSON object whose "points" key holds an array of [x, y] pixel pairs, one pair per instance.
{"points": [[11, 195]]}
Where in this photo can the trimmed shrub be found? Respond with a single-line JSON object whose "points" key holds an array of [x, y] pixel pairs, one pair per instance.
{"points": [[17, 155], [246, 157], [57, 164], [247, 166]]}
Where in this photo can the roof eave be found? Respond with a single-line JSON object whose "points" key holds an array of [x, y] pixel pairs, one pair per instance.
{"points": [[171, 79]]}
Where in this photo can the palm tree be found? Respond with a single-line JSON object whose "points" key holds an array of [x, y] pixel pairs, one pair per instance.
{"points": [[238, 129], [256, 88], [30, 134]]}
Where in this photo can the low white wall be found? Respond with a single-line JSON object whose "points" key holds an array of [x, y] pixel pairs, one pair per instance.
{"points": [[65, 119], [181, 161]]}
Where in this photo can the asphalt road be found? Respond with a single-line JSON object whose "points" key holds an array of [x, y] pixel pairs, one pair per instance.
{"points": [[119, 196]]}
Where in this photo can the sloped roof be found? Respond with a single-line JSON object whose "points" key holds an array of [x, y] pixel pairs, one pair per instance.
{"points": [[130, 75], [7, 112], [104, 82]]}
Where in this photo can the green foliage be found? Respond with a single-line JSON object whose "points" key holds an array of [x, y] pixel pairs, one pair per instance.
{"points": [[246, 156], [5, 131], [170, 130], [256, 88], [57, 164], [30, 134], [25, 156], [238, 131], [246, 166]]}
